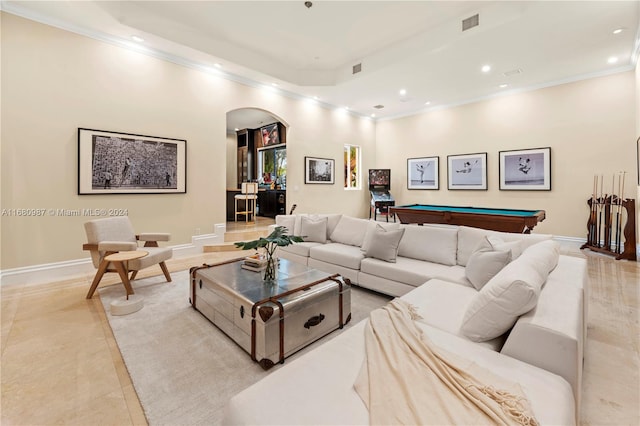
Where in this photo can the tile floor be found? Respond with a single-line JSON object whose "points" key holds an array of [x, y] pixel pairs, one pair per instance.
{"points": [[61, 365]]}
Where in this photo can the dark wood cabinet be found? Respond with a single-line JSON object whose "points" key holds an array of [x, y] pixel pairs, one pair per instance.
{"points": [[272, 202], [246, 161]]}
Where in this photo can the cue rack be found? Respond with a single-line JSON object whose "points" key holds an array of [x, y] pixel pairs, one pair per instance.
{"points": [[612, 218]]}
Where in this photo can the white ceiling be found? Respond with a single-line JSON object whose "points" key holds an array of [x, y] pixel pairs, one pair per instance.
{"points": [[418, 46]]}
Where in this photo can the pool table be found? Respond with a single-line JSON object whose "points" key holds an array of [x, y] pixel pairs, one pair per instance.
{"points": [[506, 220]]}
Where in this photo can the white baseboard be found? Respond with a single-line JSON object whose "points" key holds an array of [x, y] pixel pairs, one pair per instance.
{"points": [[38, 274], [58, 271]]}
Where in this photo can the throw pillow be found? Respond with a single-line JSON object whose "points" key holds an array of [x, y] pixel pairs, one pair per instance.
{"points": [[485, 263], [313, 230], [384, 245], [515, 247], [512, 292], [371, 229]]}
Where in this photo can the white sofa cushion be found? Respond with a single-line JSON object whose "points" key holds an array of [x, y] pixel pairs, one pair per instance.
{"points": [[442, 304], [405, 270], [511, 293], [384, 244], [338, 254], [313, 229], [301, 249], [455, 274], [349, 231], [485, 263], [288, 221], [430, 243], [469, 238]]}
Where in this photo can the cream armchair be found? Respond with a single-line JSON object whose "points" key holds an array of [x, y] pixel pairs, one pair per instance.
{"points": [[115, 234]]}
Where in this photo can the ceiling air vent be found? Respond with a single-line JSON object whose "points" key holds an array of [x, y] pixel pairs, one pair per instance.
{"points": [[378, 106], [357, 68], [512, 72], [470, 22]]}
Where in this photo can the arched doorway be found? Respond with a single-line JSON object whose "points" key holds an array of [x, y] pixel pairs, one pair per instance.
{"points": [[256, 152]]}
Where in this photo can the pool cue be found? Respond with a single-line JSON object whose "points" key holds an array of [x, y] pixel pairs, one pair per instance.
{"points": [[600, 207], [592, 221], [610, 231], [620, 202]]}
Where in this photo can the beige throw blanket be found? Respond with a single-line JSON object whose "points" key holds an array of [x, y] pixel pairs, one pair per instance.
{"points": [[406, 380]]}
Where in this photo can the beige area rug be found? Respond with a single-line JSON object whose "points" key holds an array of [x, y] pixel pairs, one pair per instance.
{"points": [[184, 368]]}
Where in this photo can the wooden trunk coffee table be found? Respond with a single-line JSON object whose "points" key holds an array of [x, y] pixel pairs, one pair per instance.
{"points": [[271, 321]]}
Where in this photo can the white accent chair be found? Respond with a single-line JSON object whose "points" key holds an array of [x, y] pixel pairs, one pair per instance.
{"points": [[249, 195], [115, 234]]}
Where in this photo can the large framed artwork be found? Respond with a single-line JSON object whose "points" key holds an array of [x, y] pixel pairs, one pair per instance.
{"points": [[525, 170], [123, 163], [467, 171], [423, 173], [319, 170]]}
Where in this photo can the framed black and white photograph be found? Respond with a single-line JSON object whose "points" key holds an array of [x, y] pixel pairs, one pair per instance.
{"points": [[319, 170], [525, 170], [467, 171], [122, 163], [423, 173]]}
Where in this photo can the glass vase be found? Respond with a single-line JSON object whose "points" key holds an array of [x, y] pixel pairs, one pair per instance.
{"points": [[271, 271]]}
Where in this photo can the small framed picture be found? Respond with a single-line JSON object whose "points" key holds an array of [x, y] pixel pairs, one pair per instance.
{"points": [[423, 173], [467, 171], [319, 170], [125, 163], [525, 170]]}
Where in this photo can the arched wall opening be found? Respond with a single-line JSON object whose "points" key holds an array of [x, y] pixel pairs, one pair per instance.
{"points": [[256, 144]]}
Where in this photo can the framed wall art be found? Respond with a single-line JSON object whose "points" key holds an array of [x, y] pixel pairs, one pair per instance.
{"points": [[467, 171], [525, 170], [423, 173], [319, 170], [270, 135], [123, 163]]}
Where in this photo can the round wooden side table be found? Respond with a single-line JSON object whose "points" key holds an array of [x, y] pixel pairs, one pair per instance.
{"points": [[132, 302]]}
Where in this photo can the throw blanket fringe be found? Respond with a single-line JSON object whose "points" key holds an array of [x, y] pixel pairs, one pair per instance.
{"points": [[406, 380]]}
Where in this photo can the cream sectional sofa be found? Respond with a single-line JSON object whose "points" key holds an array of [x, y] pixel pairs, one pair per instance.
{"points": [[509, 301]]}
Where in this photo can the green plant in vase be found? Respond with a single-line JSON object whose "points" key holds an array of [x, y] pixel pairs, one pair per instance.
{"points": [[278, 238]]}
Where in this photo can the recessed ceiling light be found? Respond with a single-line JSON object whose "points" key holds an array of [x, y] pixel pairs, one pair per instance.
{"points": [[618, 30], [316, 98], [403, 92], [137, 38], [217, 65], [373, 115], [502, 86], [486, 68], [612, 59], [428, 103], [346, 108]]}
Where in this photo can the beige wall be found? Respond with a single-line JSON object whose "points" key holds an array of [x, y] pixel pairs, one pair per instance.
{"points": [[587, 124], [55, 81]]}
